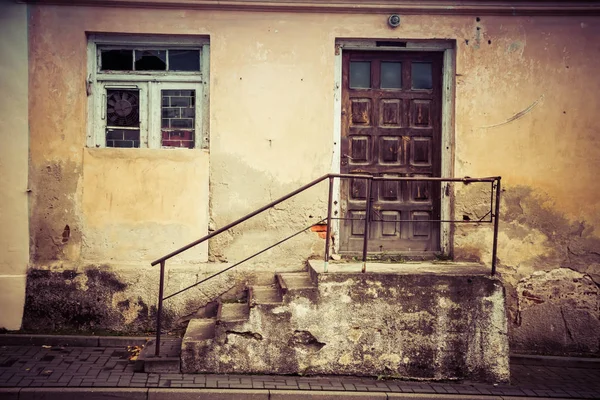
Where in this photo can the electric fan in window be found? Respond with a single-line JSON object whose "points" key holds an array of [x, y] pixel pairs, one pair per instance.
{"points": [[122, 108]]}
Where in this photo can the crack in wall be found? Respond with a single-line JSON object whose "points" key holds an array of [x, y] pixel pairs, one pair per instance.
{"points": [[518, 115], [562, 314]]}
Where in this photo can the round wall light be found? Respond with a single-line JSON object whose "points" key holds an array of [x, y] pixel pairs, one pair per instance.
{"points": [[394, 20]]}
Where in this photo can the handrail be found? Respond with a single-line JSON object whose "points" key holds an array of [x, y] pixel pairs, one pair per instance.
{"points": [[495, 190], [247, 217], [244, 260]]}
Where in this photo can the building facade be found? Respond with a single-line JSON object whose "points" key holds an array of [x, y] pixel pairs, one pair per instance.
{"points": [[136, 128]]}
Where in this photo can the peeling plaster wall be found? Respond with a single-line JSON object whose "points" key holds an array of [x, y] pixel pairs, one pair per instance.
{"points": [[14, 147], [526, 98], [550, 266]]}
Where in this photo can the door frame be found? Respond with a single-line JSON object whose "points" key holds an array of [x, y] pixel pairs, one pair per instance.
{"points": [[447, 47]]}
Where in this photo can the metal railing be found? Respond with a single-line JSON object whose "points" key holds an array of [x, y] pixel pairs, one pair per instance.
{"points": [[493, 214]]}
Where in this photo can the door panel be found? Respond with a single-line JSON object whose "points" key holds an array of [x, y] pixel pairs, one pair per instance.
{"points": [[391, 126]]}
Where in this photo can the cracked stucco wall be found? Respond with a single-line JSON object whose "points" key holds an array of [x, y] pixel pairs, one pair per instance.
{"points": [[558, 308], [526, 99], [550, 266]]}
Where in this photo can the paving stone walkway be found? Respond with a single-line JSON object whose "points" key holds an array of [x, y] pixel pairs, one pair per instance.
{"points": [[57, 366]]}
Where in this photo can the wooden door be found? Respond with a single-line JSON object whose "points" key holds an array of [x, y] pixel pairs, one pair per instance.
{"points": [[391, 126]]}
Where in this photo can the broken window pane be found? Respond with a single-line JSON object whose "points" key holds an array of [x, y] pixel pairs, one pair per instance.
{"points": [[184, 60], [391, 75], [116, 60], [150, 60], [360, 74], [178, 118], [421, 76]]}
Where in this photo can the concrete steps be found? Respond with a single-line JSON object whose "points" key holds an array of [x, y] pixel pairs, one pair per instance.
{"points": [[230, 319], [421, 321], [264, 295], [434, 321], [200, 329], [232, 312], [294, 285], [237, 323], [295, 281]]}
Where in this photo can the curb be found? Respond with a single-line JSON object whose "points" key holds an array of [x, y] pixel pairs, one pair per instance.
{"points": [[12, 339], [555, 361], [225, 394], [71, 340]]}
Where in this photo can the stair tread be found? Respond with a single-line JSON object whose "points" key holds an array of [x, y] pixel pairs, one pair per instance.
{"points": [[234, 311], [265, 295], [297, 280], [200, 329]]}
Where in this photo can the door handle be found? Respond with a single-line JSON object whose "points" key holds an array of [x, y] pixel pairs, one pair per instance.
{"points": [[345, 158]]}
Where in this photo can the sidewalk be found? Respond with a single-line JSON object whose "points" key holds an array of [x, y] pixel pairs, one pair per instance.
{"points": [[100, 371]]}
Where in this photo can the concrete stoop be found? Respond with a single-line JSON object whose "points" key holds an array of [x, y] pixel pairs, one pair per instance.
{"points": [[436, 321]]}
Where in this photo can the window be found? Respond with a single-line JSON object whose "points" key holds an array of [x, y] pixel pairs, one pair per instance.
{"points": [[148, 93]]}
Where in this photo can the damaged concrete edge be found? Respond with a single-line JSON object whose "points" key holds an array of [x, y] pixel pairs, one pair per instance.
{"points": [[12, 339]]}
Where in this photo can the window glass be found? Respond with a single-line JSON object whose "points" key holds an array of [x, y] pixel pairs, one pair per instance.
{"points": [[184, 60], [150, 60], [360, 74], [391, 75], [421, 76], [178, 118], [116, 60]]}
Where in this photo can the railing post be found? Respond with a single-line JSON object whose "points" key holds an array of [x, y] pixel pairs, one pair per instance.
{"points": [[161, 287], [328, 237], [367, 218], [496, 216]]}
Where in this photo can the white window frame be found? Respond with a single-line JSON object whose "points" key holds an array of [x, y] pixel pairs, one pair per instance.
{"points": [[100, 120], [150, 84]]}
